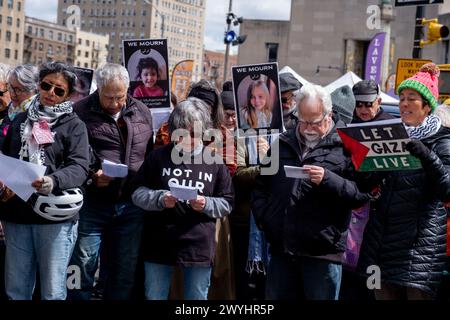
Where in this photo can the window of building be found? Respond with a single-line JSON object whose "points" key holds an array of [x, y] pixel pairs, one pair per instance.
{"points": [[79, 53], [86, 54], [19, 6], [50, 34], [30, 29], [80, 41], [10, 4], [17, 38], [18, 23], [41, 32], [272, 52], [86, 65], [7, 53], [41, 46], [9, 21], [16, 54], [8, 35], [88, 43]]}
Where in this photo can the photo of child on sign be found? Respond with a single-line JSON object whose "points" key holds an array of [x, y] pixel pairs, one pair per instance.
{"points": [[257, 95], [146, 62]]}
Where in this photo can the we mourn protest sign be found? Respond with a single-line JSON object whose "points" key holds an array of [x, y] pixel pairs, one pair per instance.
{"points": [[378, 146]]}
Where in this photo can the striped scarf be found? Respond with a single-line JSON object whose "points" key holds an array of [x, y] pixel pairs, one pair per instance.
{"points": [[427, 128]]}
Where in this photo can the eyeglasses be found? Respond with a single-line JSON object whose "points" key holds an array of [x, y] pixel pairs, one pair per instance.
{"points": [[3, 92], [113, 99], [60, 92], [313, 124], [230, 115], [16, 90], [360, 104]]}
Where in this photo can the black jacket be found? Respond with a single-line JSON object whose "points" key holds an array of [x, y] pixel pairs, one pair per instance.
{"points": [[298, 217], [67, 161], [107, 142], [381, 115], [406, 232]]}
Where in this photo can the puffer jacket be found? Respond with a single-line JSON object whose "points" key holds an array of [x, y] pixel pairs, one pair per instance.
{"points": [[66, 159], [406, 232], [107, 142], [301, 218]]}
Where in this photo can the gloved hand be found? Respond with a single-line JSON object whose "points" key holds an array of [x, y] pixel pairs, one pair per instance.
{"points": [[418, 149], [43, 185]]}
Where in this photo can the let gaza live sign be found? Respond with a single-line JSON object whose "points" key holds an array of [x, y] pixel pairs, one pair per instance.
{"points": [[378, 146], [402, 3]]}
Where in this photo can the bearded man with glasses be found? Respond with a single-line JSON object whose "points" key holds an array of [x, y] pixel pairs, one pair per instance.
{"points": [[305, 219]]}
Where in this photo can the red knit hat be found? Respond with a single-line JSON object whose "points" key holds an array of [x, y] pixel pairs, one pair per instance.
{"points": [[424, 82]]}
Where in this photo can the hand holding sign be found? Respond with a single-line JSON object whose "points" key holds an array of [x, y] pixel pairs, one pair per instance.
{"points": [[169, 200], [418, 149], [198, 204]]}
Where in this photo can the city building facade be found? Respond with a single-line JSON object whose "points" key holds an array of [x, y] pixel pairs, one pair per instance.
{"points": [[47, 41], [12, 20], [213, 64], [180, 21], [323, 42]]}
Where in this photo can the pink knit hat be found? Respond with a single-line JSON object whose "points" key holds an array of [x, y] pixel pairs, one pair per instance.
{"points": [[424, 82]]}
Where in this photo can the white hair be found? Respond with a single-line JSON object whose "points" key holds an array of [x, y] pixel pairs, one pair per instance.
{"points": [[4, 70], [443, 112], [311, 92], [111, 72]]}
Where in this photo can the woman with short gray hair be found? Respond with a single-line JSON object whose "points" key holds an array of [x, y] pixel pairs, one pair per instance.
{"points": [[22, 86], [180, 230]]}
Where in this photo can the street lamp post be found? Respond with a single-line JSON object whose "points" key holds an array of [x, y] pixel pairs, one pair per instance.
{"points": [[227, 51]]}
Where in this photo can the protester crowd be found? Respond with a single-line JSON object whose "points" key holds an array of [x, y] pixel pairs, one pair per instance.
{"points": [[251, 233]]}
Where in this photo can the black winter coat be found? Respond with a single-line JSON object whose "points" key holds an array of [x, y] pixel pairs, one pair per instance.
{"points": [[107, 142], [301, 218], [406, 232], [67, 161]]}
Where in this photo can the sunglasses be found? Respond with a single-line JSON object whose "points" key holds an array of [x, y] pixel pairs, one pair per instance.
{"points": [[3, 92], [360, 104], [60, 92]]}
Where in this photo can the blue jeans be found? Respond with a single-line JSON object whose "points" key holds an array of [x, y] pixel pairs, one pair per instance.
{"points": [[32, 247], [123, 222], [158, 278], [297, 278]]}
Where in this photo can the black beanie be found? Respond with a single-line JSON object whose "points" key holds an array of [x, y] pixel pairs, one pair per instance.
{"points": [[206, 95]]}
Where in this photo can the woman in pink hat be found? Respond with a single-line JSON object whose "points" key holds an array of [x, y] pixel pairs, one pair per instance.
{"points": [[405, 235]]}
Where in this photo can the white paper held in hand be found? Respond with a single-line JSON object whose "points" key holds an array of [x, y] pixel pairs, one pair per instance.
{"points": [[18, 175], [114, 170], [183, 192], [296, 172]]}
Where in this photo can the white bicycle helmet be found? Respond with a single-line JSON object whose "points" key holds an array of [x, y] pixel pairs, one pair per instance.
{"points": [[59, 207]]}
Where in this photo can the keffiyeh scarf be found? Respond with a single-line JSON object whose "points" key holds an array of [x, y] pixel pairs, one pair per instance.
{"points": [[35, 112]]}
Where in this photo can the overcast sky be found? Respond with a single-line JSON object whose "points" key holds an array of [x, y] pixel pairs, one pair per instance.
{"points": [[215, 14]]}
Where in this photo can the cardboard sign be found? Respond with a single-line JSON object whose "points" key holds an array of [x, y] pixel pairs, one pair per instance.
{"points": [[83, 85], [257, 99], [406, 68], [378, 146], [147, 63]]}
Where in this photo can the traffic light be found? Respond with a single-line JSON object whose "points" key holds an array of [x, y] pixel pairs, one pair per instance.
{"points": [[435, 32], [230, 36]]}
